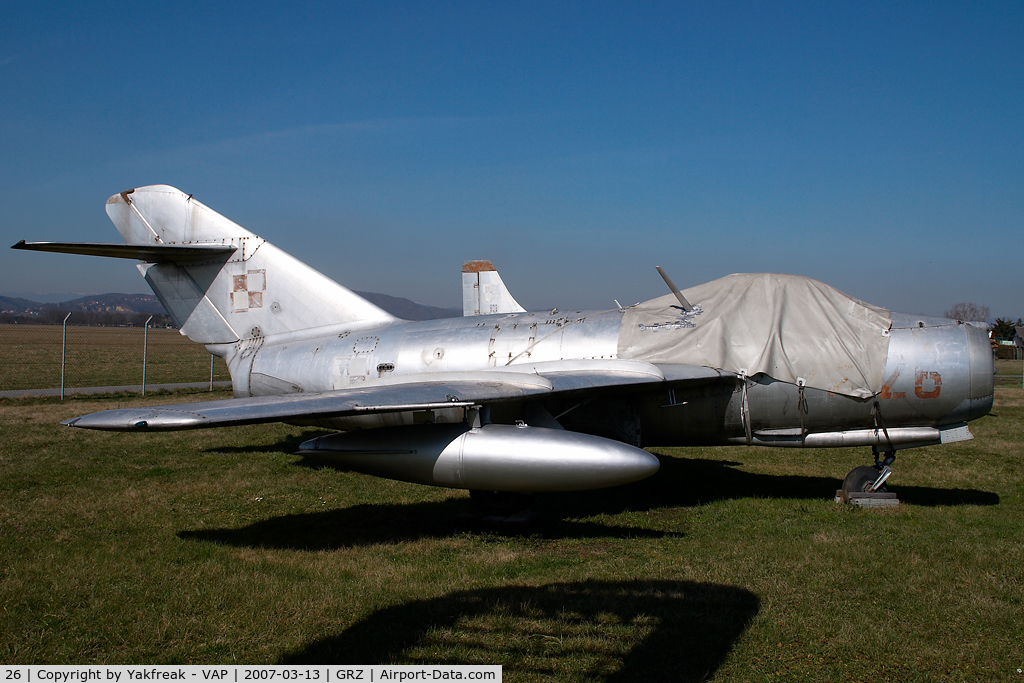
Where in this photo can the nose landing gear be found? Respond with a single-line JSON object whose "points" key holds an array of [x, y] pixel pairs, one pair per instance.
{"points": [[865, 485]]}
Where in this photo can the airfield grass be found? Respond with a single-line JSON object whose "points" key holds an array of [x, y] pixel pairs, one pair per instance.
{"points": [[99, 357], [734, 564], [1008, 372]]}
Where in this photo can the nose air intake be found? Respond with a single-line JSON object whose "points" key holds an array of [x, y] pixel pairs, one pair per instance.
{"points": [[982, 371]]}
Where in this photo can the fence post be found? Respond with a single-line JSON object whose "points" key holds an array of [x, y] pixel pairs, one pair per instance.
{"points": [[145, 349], [211, 372], [63, 352]]}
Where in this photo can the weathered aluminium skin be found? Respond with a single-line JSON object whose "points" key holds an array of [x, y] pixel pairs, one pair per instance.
{"points": [[517, 401], [938, 375]]}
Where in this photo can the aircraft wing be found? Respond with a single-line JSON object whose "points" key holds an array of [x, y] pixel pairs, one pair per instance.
{"points": [[408, 393]]}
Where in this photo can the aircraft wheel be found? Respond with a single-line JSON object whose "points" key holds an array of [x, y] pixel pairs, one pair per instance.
{"points": [[501, 503], [859, 479]]}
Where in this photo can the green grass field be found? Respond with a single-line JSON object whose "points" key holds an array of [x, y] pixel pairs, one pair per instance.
{"points": [[100, 356], [732, 564], [1008, 373]]}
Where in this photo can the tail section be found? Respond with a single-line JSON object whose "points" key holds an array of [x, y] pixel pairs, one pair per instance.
{"points": [[483, 292], [253, 291]]}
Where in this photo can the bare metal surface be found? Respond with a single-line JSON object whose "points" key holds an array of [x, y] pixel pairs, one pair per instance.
{"points": [[419, 395], [303, 349], [492, 458], [243, 289], [483, 292], [898, 436]]}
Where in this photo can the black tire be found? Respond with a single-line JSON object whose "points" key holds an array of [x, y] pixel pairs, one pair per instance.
{"points": [[501, 503], [859, 479]]}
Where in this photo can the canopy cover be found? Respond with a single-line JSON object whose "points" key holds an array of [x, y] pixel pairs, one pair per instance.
{"points": [[784, 326]]}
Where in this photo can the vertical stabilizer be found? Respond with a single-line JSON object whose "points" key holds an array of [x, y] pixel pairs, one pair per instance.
{"points": [[253, 292], [483, 292]]}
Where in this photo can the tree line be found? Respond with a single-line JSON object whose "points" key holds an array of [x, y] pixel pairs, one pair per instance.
{"points": [[55, 316]]}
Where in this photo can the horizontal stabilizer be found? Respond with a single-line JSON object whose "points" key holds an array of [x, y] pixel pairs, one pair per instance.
{"points": [[154, 253]]}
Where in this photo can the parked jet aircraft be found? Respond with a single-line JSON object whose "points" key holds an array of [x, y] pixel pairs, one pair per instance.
{"points": [[504, 400]]}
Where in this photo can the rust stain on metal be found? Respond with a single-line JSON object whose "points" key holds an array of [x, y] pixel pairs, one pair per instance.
{"points": [[477, 266], [936, 380], [887, 391], [125, 197]]}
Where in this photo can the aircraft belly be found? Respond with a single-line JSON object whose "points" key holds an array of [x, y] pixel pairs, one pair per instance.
{"points": [[936, 376], [715, 414], [705, 415]]}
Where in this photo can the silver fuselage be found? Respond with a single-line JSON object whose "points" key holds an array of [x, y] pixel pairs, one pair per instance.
{"points": [[939, 374], [520, 402]]}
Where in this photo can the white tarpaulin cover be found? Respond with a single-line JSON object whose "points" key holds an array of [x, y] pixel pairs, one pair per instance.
{"points": [[784, 326]]}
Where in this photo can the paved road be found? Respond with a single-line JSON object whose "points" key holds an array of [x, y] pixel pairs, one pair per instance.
{"points": [[128, 389]]}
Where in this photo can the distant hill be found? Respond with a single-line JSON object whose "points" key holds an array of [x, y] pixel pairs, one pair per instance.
{"points": [[48, 297], [408, 309], [113, 303], [112, 310], [132, 309], [13, 304], [95, 303]]}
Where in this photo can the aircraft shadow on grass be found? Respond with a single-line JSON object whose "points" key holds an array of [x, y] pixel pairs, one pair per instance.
{"points": [[618, 631], [362, 525], [681, 482], [288, 445]]}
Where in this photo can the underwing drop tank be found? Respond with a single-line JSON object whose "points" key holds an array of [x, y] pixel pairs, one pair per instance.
{"points": [[494, 457]]}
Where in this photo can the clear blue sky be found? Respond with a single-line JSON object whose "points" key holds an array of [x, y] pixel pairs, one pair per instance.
{"points": [[875, 146]]}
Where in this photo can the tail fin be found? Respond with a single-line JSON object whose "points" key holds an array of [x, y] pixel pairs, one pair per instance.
{"points": [[483, 292], [254, 291]]}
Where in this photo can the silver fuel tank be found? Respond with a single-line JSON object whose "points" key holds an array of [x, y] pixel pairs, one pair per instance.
{"points": [[494, 457]]}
